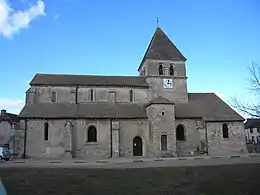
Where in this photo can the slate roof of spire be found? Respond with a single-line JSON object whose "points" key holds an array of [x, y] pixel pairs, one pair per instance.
{"points": [[161, 47]]}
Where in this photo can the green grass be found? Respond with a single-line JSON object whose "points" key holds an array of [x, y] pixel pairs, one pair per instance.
{"points": [[221, 180]]}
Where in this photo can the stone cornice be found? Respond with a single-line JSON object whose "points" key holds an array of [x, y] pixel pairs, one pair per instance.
{"points": [[94, 86]]}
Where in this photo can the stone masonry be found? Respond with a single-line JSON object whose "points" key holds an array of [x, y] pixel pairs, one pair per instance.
{"points": [[151, 115]]}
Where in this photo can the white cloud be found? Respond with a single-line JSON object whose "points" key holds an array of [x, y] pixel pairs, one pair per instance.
{"points": [[219, 94], [8, 103], [12, 21]]}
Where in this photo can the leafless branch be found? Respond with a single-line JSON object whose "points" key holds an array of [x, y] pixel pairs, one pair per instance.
{"points": [[254, 71], [250, 108]]}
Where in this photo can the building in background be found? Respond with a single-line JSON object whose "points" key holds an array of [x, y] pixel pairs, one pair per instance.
{"points": [[252, 129], [8, 124]]}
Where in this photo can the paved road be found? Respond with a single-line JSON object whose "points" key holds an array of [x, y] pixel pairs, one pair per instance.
{"points": [[132, 163]]}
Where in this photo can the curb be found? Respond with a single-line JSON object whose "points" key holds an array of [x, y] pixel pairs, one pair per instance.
{"points": [[253, 155], [18, 161], [102, 161], [159, 159], [55, 161], [138, 160], [198, 158], [235, 156], [79, 161], [215, 157]]}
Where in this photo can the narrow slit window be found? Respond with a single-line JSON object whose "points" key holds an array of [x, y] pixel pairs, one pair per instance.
{"points": [[46, 131], [171, 70], [131, 95], [225, 130], [91, 95], [160, 69], [53, 97]]}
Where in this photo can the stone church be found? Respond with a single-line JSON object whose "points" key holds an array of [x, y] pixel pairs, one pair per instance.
{"points": [[150, 115]]}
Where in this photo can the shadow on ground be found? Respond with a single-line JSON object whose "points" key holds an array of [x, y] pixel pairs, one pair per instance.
{"points": [[220, 180]]}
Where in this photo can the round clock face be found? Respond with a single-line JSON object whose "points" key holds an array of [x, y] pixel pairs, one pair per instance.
{"points": [[167, 83]]}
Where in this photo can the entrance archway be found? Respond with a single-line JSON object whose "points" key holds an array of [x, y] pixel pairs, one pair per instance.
{"points": [[138, 146]]}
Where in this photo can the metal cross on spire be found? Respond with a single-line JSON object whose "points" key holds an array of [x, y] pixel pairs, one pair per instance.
{"points": [[157, 21]]}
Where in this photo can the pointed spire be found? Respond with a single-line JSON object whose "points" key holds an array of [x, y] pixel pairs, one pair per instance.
{"points": [[162, 48]]}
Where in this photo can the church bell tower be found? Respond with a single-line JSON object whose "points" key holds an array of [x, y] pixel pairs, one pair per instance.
{"points": [[163, 65]]}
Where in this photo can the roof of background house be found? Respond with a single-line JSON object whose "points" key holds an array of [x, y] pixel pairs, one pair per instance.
{"points": [[9, 117], [89, 80], [252, 123], [162, 48], [83, 110], [206, 105], [159, 100]]}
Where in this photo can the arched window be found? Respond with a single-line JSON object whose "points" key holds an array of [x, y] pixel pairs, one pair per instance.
{"points": [[180, 133], [53, 97], [46, 131], [160, 69], [131, 95], [225, 130], [92, 134], [171, 70]]}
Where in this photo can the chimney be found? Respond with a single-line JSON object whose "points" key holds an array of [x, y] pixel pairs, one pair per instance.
{"points": [[3, 112]]}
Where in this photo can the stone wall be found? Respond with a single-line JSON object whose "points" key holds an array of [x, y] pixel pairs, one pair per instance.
{"points": [[63, 141], [161, 122], [129, 129], [42, 94], [218, 145], [195, 138], [179, 91]]}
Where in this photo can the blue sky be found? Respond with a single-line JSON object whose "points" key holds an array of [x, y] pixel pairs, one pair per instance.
{"points": [[219, 38]]}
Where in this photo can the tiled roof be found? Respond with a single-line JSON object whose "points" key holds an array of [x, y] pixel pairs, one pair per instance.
{"points": [[13, 118], [88, 80], [206, 105], [86, 110], [252, 123], [159, 100]]}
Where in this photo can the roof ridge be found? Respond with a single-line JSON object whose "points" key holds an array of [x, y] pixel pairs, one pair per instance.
{"points": [[159, 100], [89, 75]]}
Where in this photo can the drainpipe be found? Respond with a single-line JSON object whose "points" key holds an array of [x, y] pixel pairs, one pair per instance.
{"points": [[76, 95], [206, 136], [73, 136], [111, 144], [25, 139]]}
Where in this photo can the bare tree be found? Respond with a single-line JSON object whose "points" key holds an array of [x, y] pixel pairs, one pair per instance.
{"points": [[251, 108]]}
